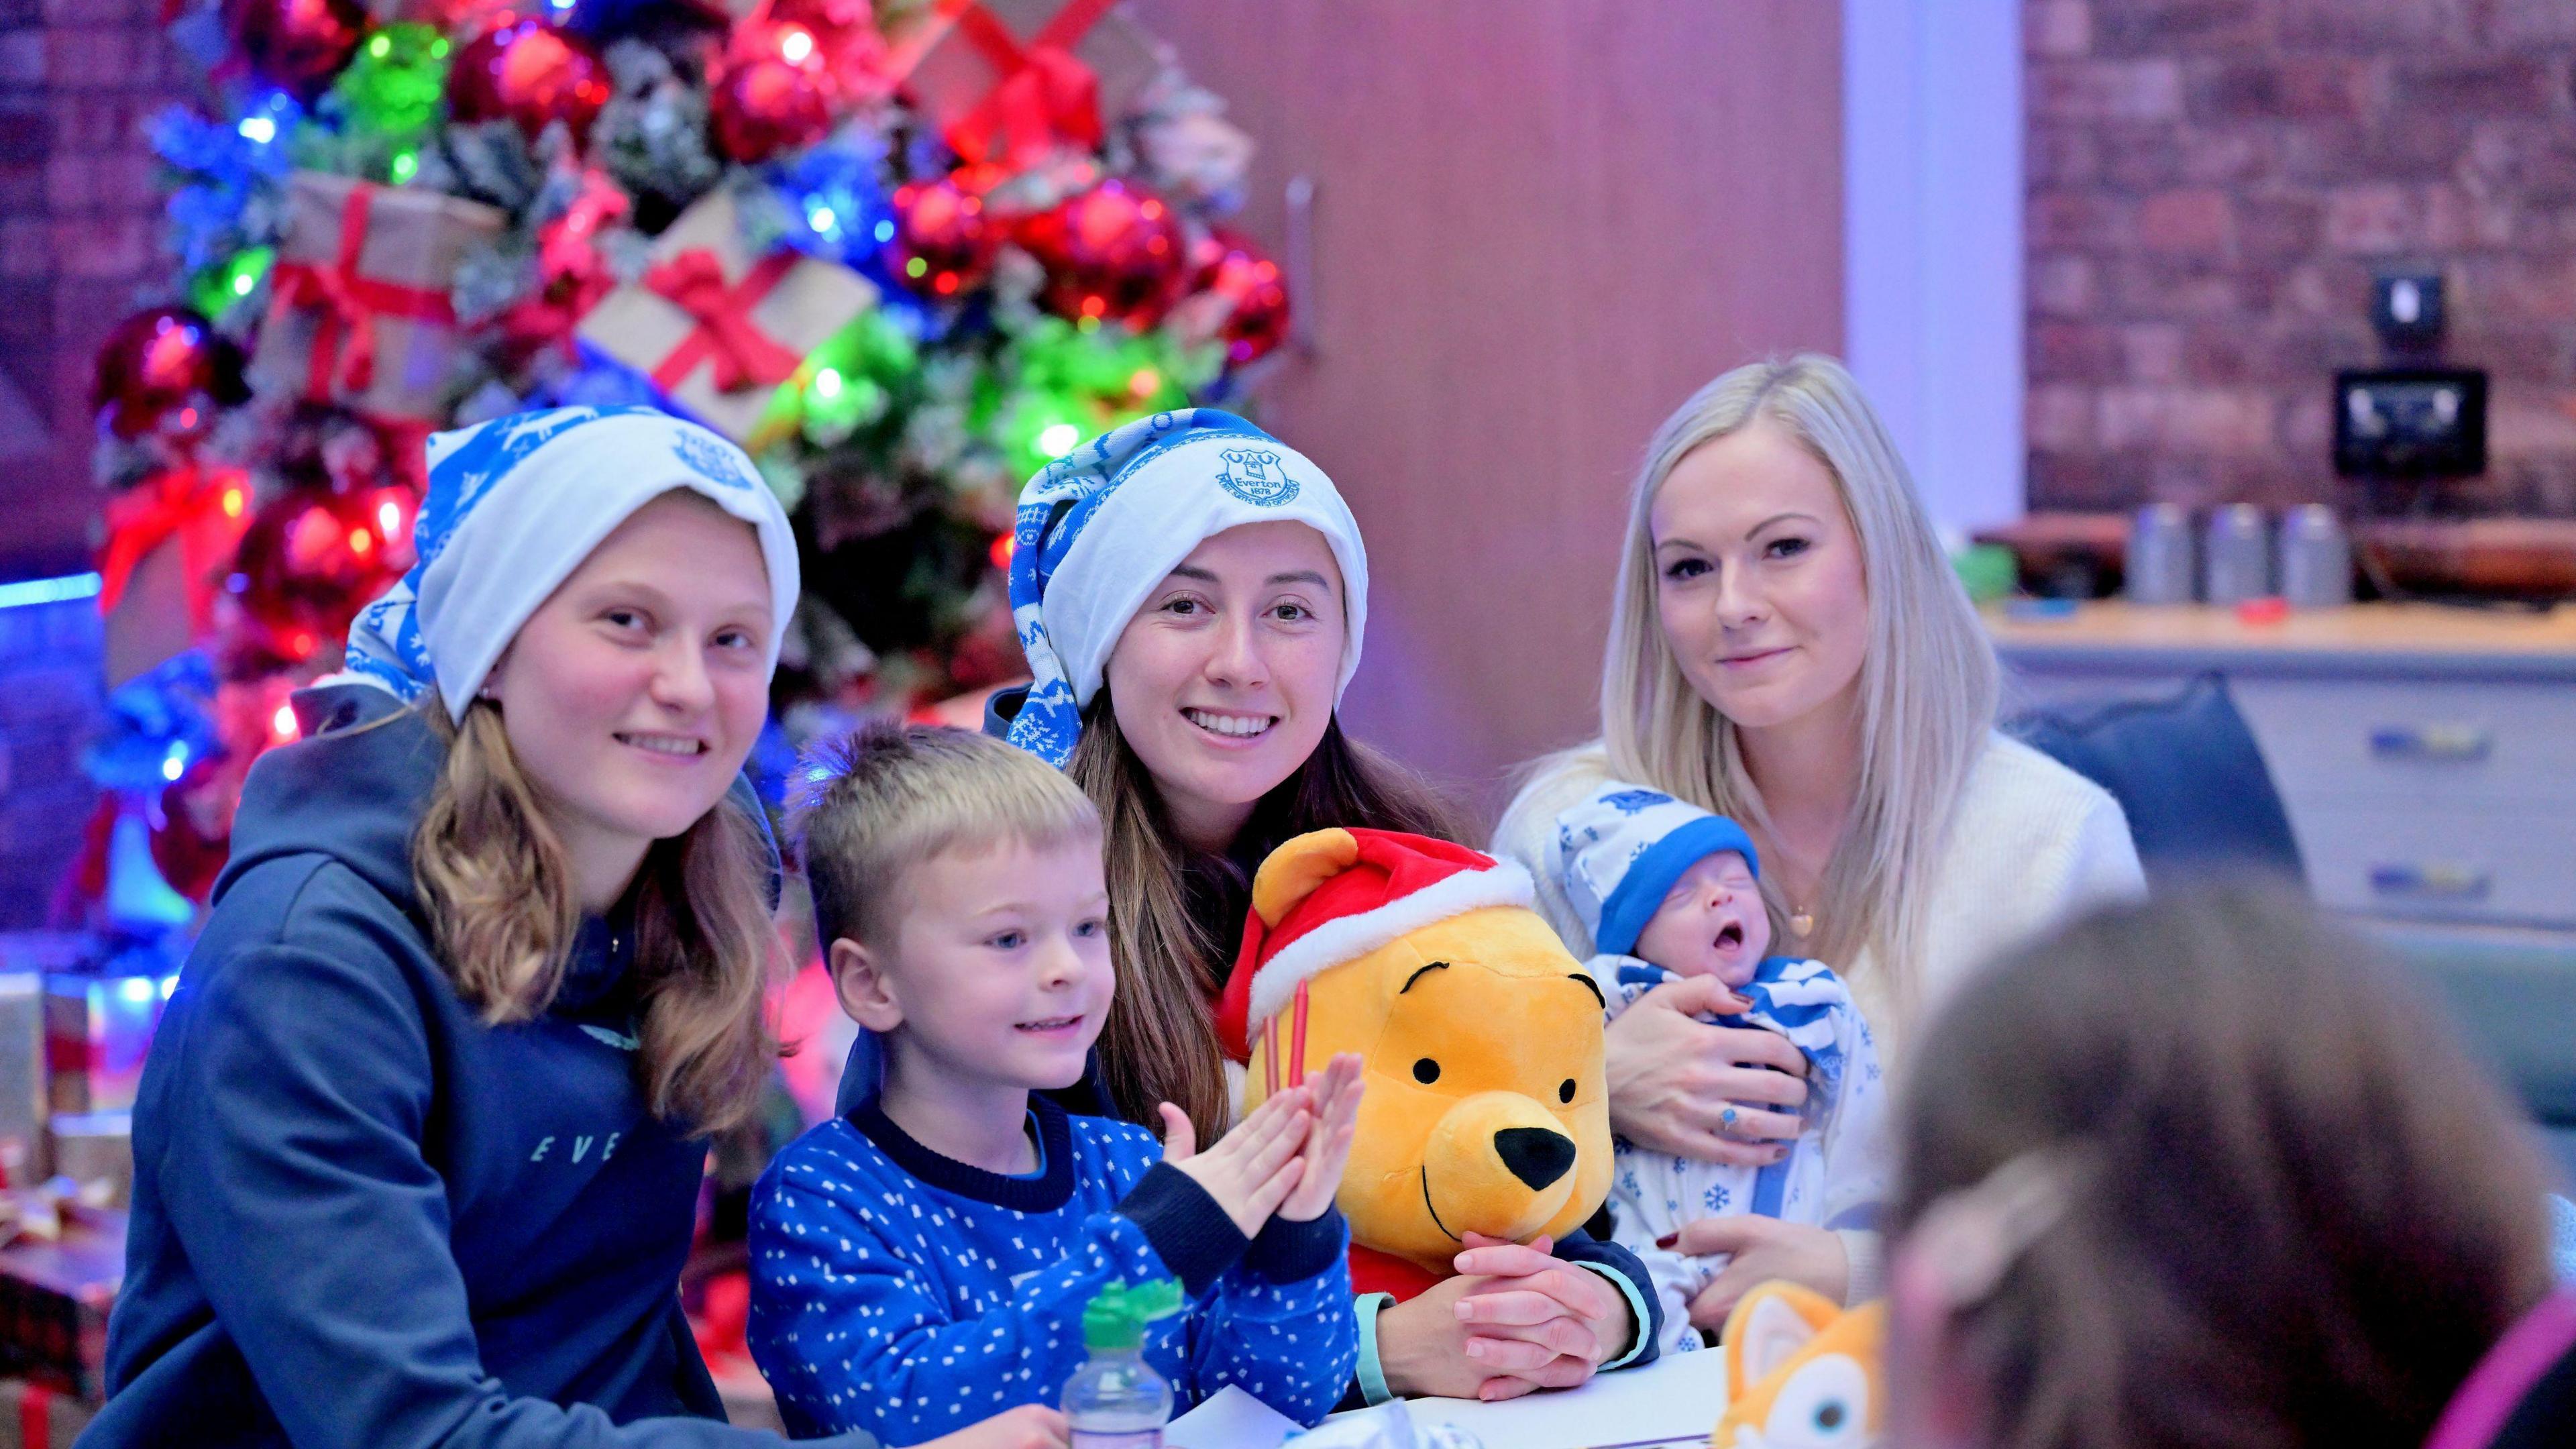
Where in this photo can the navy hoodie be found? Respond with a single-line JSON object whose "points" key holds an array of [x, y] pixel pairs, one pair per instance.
{"points": [[362, 1218]]}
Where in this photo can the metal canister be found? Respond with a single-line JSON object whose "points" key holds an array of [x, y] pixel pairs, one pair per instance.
{"points": [[2236, 560], [2316, 558], [2160, 563]]}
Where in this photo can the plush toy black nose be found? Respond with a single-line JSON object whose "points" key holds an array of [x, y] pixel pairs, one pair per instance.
{"points": [[1534, 1154]]}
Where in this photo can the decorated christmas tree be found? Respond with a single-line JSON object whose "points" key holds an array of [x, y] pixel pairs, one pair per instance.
{"points": [[902, 253]]}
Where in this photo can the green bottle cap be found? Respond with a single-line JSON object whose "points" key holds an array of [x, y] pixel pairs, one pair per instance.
{"points": [[1117, 1314]]}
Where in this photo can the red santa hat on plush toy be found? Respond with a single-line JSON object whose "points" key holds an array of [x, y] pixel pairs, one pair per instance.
{"points": [[1336, 895]]}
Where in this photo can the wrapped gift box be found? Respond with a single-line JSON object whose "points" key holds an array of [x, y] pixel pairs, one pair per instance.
{"points": [[96, 1151], [983, 71], [718, 328], [359, 312], [33, 1416], [54, 1298], [97, 1030], [26, 1089]]}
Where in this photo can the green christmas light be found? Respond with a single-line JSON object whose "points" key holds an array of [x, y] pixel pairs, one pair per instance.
{"points": [[393, 87], [215, 290]]}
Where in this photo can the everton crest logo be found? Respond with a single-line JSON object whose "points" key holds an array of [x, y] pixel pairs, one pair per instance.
{"points": [[709, 459], [1252, 474]]}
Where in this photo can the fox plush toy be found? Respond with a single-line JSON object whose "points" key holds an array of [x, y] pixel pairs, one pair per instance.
{"points": [[1483, 1107], [1802, 1373]]}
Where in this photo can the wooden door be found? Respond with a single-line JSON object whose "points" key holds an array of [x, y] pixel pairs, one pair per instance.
{"points": [[1537, 226]]}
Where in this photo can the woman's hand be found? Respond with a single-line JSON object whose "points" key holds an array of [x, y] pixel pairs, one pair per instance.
{"points": [[1760, 1250], [1327, 1148], [1252, 1169], [1674, 1080], [1030, 1426], [1513, 1320], [1547, 1323]]}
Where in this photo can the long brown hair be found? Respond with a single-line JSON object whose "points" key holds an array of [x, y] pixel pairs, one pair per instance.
{"points": [[1176, 914], [2289, 1212], [497, 890]]}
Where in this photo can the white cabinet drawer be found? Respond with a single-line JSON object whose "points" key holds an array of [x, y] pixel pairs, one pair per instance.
{"points": [[2455, 865], [2429, 742]]}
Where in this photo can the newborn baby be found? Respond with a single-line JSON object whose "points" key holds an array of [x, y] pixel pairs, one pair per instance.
{"points": [[1670, 891]]}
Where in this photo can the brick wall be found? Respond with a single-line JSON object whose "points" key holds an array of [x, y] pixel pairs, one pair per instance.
{"points": [[79, 240], [50, 705], [2213, 183]]}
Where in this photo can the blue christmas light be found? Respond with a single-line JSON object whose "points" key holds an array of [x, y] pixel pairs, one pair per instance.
{"points": [[158, 724], [836, 207]]}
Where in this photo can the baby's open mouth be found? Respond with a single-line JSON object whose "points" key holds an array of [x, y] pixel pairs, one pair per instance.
{"points": [[1730, 936]]}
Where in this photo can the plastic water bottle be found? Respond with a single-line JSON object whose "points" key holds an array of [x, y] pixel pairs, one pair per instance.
{"points": [[1116, 1400]]}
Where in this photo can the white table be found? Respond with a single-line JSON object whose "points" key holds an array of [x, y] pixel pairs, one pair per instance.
{"points": [[1673, 1401]]}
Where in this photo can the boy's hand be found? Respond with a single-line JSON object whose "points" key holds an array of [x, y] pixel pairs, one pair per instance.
{"points": [[1327, 1148], [1251, 1169], [1030, 1426]]}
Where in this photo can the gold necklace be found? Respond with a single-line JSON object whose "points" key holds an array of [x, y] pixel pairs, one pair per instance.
{"points": [[1802, 922]]}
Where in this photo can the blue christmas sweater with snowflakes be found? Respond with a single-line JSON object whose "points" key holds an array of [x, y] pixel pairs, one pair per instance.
{"points": [[909, 1294]]}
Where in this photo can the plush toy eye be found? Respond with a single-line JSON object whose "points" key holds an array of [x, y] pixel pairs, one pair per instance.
{"points": [[1565, 1090], [1426, 1071]]}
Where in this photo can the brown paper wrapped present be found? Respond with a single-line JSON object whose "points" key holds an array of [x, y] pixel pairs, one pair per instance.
{"points": [[718, 328], [33, 1416], [1007, 81], [359, 311], [54, 1299]]}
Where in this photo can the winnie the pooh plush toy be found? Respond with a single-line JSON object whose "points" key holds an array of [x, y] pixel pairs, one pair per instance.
{"points": [[1483, 1108], [1802, 1373]]}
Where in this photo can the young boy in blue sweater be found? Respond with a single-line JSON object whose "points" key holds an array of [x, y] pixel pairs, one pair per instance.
{"points": [[922, 1263]]}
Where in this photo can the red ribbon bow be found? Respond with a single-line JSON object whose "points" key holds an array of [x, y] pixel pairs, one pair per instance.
{"points": [[1044, 95], [189, 503], [350, 303], [743, 354]]}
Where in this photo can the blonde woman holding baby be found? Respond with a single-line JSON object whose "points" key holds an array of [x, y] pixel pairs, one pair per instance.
{"points": [[1790, 649]]}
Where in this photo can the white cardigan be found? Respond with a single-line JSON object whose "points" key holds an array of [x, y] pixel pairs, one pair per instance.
{"points": [[2033, 845]]}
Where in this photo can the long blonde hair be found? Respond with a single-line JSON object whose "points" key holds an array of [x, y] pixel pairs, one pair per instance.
{"points": [[497, 891], [1928, 677]]}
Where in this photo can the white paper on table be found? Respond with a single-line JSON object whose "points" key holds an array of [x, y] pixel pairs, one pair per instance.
{"points": [[1229, 1419], [1674, 1400]]}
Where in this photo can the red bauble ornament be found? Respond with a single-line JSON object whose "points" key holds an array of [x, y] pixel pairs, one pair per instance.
{"points": [[190, 833], [943, 239], [766, 103], [296, 45], [1114, 251], [529, 74], [1232, 270], [165, 364], [845, 40], [310, 560]]}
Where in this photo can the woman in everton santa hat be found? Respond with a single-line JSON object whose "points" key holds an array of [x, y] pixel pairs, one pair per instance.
{"points": [[1191, 594]]}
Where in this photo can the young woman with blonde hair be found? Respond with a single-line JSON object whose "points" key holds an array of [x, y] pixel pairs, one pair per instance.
{"points": [[1789, 647], [418, 1146]]}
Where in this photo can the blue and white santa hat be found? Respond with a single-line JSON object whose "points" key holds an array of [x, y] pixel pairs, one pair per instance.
{"points": [[514, 506], [1100, 528], [1621, 849]]}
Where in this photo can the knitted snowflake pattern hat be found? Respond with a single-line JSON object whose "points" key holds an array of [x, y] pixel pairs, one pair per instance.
{"points": [[1100, 528], [1620, 851]]}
